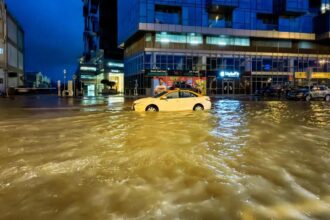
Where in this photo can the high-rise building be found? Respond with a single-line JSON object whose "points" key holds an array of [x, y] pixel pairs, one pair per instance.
{"points": [[102, 58], [11, 50], [224, 46]]}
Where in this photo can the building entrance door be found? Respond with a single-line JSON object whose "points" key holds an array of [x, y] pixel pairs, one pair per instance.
{"points": [[228, 87]]}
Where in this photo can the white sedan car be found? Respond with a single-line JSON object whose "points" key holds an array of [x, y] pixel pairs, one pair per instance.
{"points": [[173, 100]]}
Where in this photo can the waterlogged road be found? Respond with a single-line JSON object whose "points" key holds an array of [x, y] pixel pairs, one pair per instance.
{"points": [[241, 160]]}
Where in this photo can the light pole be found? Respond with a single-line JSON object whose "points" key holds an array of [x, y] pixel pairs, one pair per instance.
{"points": [[64, 73]]}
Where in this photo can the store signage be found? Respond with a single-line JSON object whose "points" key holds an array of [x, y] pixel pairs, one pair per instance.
{"points": [[229, 74], [88, 68], [115, 71], [315, 75], [155, 72], [120, 65]]}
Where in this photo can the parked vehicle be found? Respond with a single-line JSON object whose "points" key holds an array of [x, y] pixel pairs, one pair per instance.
{"points": [[272, 91], [173, 100], [309, 93]]}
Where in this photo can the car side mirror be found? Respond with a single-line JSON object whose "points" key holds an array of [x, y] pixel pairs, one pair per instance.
{"points": [[163, 98]]}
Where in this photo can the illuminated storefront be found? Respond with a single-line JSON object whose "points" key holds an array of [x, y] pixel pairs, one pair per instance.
{"points": [[92, 76], [320, 78]]}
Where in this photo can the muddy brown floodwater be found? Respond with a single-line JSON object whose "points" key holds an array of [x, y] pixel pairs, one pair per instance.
{"points": [[241, 160]]}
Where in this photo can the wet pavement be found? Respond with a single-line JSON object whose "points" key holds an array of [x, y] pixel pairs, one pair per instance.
{"points": [[93, 158]]}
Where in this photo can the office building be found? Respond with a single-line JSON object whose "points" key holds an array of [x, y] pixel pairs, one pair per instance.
{"points": [[11, 51], [102, 58], [224, 46]]}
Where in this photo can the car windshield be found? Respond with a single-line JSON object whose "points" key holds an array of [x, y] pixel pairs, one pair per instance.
{"points": [[160, 94]]}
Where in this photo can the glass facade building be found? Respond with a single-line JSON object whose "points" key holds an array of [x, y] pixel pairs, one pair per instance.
{"points": [[237, 46]]}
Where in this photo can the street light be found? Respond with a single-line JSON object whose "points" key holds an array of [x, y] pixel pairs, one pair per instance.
{"points": [[64, 73]]}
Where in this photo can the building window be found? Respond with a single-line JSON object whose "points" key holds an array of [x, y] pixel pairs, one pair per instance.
{"points": [[194, 39], [171, 38], [228, 41], [274, 43], [165, 14], [179, 38], [220, 20], [12, 74], [325, 6], [1, 80]]}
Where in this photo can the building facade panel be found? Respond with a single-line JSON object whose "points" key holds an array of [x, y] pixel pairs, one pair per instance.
{"points": [[12, 30]]}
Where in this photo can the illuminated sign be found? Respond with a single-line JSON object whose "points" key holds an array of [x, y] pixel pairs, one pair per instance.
{"points": [[230, 74], [315, 75], [120, 65], [115, 71], [88, 68]]}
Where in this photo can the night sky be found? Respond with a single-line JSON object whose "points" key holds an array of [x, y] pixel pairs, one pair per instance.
{"points": [[53, 34]]}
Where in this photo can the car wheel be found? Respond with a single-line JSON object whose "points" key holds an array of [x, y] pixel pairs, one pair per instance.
{"points": [[327, 98], [152, 108], [198, 107], [308, 98]]}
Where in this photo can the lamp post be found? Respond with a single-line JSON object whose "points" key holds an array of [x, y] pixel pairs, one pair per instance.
{"points": [[64, 73]]}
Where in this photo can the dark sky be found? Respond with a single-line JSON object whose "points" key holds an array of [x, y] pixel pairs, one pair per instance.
{"points": [[53, 34]]}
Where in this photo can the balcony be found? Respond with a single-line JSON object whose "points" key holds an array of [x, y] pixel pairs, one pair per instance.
{"points": [[293, 8], [216, 6], [94, 6]]}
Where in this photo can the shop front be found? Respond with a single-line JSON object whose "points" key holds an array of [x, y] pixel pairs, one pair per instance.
{"points": [[162, 80], [114, 74], [319, 78], [262, 80], [104, 79], [228, 82]]}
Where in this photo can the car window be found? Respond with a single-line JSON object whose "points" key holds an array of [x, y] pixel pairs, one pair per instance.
{"points": [[160, 94], [323, 88], [173, 95], [186, 94]]}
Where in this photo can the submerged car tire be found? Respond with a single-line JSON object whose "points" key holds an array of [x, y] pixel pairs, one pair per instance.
{"points": [[327, 98], [152, 108], [198, 107], [308, 98]]}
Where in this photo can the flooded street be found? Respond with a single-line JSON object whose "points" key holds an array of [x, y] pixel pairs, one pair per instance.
{"points": [[95, 159]]}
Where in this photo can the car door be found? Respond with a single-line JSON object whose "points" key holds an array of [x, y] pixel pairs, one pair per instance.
{"points": [[169, 102], [187, 100], [323, 91]]}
